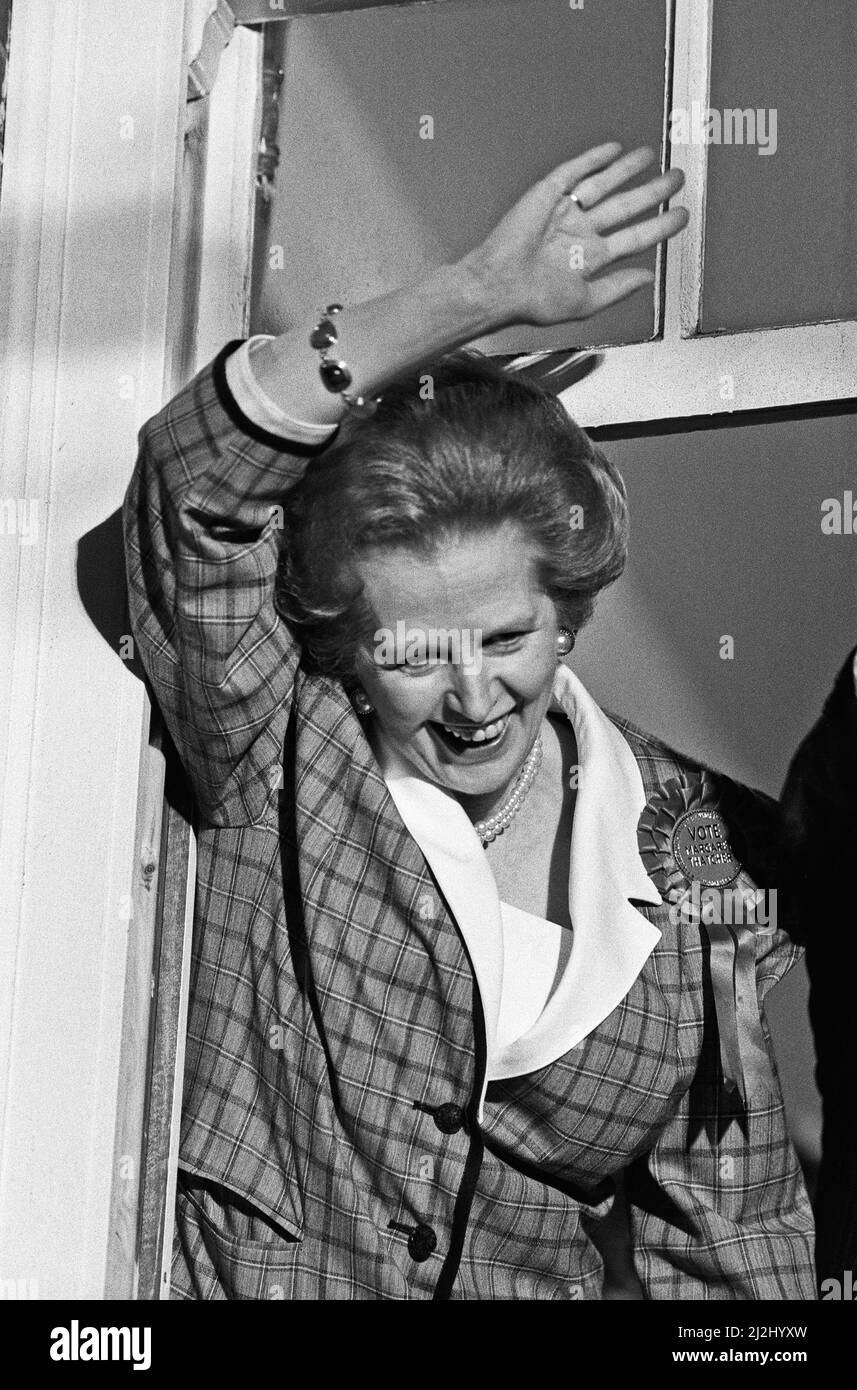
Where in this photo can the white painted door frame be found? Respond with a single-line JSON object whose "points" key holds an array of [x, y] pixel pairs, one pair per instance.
{"points": [[90, 320]]}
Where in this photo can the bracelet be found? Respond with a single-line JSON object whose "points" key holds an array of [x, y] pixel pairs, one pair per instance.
{"points": [[336, 375]]}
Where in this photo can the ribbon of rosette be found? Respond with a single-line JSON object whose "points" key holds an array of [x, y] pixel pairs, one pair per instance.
{"points": [[694, 837]]}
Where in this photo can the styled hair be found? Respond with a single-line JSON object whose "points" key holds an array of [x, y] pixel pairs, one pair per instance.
{"points": [[460, 447]]}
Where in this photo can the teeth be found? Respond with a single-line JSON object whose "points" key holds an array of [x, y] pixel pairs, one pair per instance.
{"points": [[483, 735]]}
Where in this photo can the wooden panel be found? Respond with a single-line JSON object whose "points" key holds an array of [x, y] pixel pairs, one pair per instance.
{"points": [[135, 1050], [263, 11], [174, 908], [228, 207], [5, 24], [718, 375], [691, 76]]}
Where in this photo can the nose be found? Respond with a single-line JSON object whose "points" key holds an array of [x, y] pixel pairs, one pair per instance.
{"points": [[473, 694]]}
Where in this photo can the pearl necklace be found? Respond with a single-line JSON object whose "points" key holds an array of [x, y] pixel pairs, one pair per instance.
{"points": [[489, 829]]}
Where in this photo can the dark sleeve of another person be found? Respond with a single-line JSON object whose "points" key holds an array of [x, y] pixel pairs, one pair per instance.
{"points": [[819, 801]]}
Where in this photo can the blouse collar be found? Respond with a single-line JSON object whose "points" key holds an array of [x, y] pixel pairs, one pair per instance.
{"points": [[611, 940]]}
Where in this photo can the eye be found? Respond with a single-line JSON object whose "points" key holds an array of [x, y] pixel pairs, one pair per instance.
{"points": [[414, 665], [428, 663], [506, 641]]}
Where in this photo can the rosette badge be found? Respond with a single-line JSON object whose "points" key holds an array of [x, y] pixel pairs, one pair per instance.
{"points": [[692, 837], [684, 839]]}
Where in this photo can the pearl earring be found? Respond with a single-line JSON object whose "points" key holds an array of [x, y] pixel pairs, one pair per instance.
{"points": [[362, 703], [565, 642]]}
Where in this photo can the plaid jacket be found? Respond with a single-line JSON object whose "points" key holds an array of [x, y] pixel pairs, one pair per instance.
{"points": [[330, 1147]]}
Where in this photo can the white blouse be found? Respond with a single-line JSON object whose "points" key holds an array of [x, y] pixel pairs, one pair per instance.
{"points": [[535, 957]]}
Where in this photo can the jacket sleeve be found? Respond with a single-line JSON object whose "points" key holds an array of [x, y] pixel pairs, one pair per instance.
{"points": [[819, 803], [718, 1209], [202, 544]]}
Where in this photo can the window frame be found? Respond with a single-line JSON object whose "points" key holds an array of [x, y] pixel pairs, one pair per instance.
{"points": [[709, 374]]}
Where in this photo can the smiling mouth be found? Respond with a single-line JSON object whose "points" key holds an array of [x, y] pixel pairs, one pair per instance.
{"points": [[459, 736]]}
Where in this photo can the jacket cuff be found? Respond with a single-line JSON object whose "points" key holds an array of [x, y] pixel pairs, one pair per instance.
{"points": [[258, 407]]}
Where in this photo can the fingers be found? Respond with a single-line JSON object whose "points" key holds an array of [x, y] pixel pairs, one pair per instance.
{"points": [[622, 207], [595, 187], [645, 234], [615, 286], [568, 175]]}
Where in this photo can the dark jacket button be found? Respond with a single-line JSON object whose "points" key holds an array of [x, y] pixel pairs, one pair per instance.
{"points": [[422, 1242], [449, 1117]]}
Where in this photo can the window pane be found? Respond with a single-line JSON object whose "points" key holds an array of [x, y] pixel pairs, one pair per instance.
{"points": [[781, 228], [513, 87]]}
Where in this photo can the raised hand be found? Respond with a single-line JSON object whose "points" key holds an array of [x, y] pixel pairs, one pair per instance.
{"points": [[555, 255]]}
